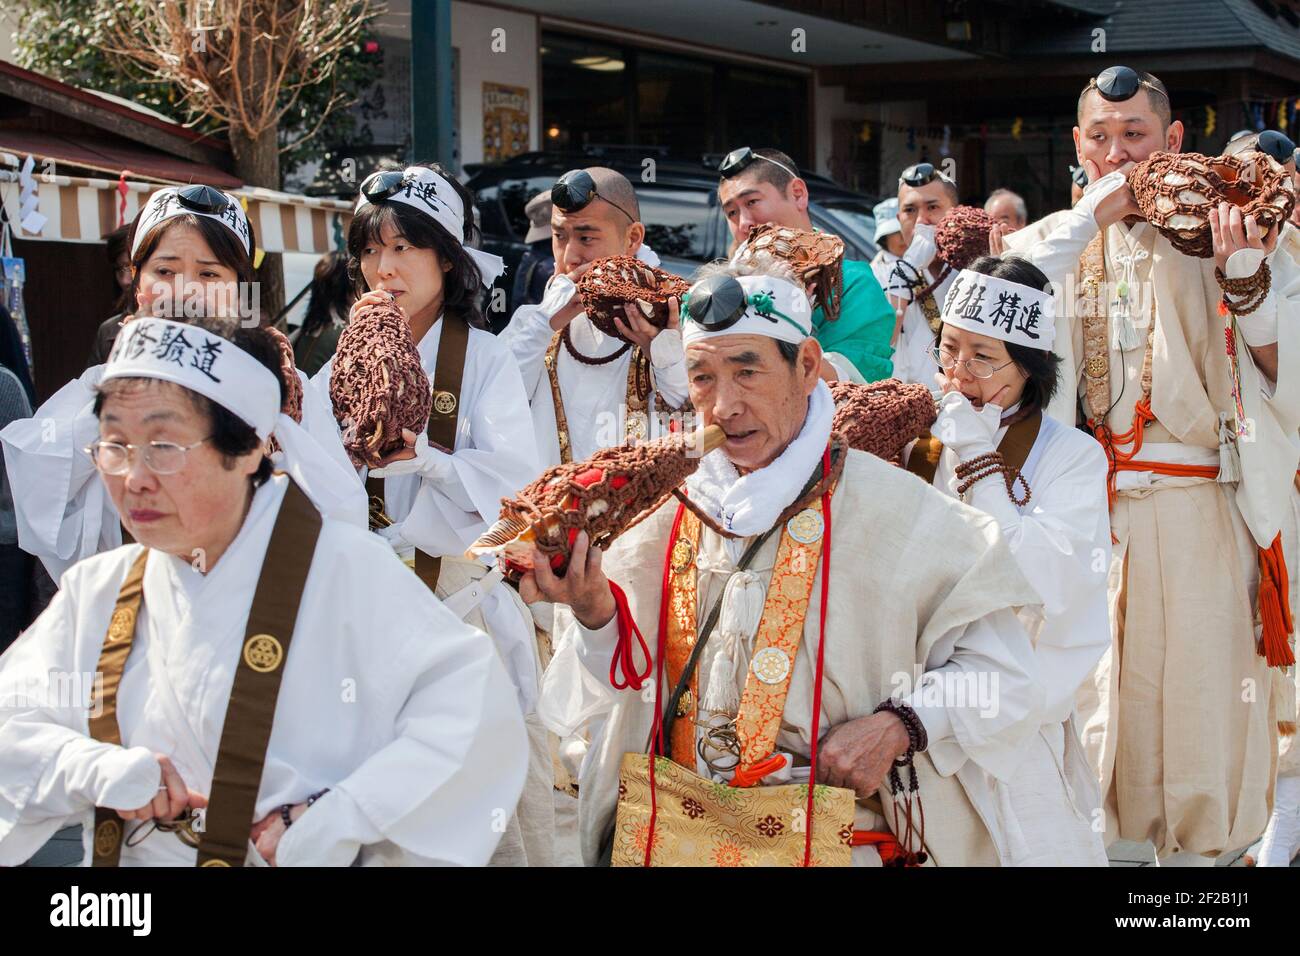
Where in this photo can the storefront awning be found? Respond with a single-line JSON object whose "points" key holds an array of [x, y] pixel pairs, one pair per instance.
{"points": [[77, 209]]}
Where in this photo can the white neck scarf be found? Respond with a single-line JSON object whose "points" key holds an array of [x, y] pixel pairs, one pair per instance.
{"points": [[747, 505]]}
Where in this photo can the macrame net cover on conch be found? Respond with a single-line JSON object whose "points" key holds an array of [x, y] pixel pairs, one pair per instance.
{"points": [[605, 496], [1176, 191], [963, 236], [625, 282], [377, 385], [292, 383], [817, 259], [882, 417]]}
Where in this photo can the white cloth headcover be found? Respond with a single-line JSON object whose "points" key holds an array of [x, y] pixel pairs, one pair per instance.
{"points": [[222, 372], [433, 196], [1004, 310], [165, 204], [787, 298]]}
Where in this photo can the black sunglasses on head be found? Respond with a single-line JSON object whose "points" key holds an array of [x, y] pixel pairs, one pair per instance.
{"points": [[576, 189], [383, 185], [738, 160], [202, 198], [922, 174]]}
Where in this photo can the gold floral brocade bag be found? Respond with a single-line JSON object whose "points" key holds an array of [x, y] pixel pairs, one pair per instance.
{"points": [[702, 823]]}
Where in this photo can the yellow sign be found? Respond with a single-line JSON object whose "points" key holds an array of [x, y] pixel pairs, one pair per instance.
{"points": [[505, 122]]}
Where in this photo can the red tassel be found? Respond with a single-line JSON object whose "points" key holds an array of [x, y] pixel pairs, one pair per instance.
{"points": [[1275, 606], [624, 661]]}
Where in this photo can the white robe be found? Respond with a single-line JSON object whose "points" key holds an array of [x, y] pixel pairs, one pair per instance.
{"points": [[1061, 541], [495, 456], [64, 512], [594, 395], [388, 699], [960, 641]]}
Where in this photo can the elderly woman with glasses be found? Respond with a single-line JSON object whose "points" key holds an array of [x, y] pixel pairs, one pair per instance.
{"points": [[1045, 486], [251, 659]]}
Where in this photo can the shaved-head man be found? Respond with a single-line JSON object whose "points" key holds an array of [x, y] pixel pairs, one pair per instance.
{"points": [[588, 390], [760, 186], [1200, 433]]}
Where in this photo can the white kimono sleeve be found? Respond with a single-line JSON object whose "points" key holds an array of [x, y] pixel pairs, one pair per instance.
{"points": [[63, 511], [462, 495], [529, 333], [447, 784], [1062, 545], [992, 652], [51, 771]]}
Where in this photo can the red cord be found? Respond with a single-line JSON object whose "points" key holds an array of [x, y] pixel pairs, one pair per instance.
{"points": [[821, 656], [657, 731], [624, 657]]}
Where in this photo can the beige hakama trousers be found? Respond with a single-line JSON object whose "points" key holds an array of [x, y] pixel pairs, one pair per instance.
{"points": [[1179, 722]]}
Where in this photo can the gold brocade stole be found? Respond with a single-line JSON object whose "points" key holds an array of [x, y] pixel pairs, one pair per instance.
{"points": [[780, 630], [636, 422], [246, 730]]}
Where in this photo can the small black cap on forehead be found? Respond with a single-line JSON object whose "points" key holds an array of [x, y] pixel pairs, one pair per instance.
{"points": [[202, 198], [1118, 83], [715, 299], [1276, 144]]}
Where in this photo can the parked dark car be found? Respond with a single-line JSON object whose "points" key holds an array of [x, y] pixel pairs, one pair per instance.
{"points": [[683, 220]]}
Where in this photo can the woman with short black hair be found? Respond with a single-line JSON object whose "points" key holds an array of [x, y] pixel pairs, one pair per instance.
{"points": [[1044, 485], [230, 642], [409, 243]]}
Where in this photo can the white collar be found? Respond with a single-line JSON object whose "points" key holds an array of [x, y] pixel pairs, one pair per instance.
{"points": [[747, 505]]}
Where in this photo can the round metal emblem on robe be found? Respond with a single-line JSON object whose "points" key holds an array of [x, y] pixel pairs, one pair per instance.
{"points": [[263, 653], [214, 862], [686, 704], [444, 403], [107, 837], [806, 527], [771, 665], [1095, 367], [683, 555], [122, 624]]}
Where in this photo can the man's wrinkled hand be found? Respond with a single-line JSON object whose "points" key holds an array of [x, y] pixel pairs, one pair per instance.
{"points": [[857, 755]]}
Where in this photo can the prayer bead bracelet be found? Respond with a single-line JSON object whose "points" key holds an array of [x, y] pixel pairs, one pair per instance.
{"points": [[1252, 290], [991, 463], [285, 808], [917, 739]]}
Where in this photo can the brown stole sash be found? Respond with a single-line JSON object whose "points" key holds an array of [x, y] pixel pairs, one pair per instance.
{"points": [[448, 373], [1014, 448], [637, 410], [237, 776]]}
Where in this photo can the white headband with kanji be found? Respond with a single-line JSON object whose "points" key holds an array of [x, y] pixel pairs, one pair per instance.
{"points": [[1005, 310], [433, 196], [224, 373]]}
